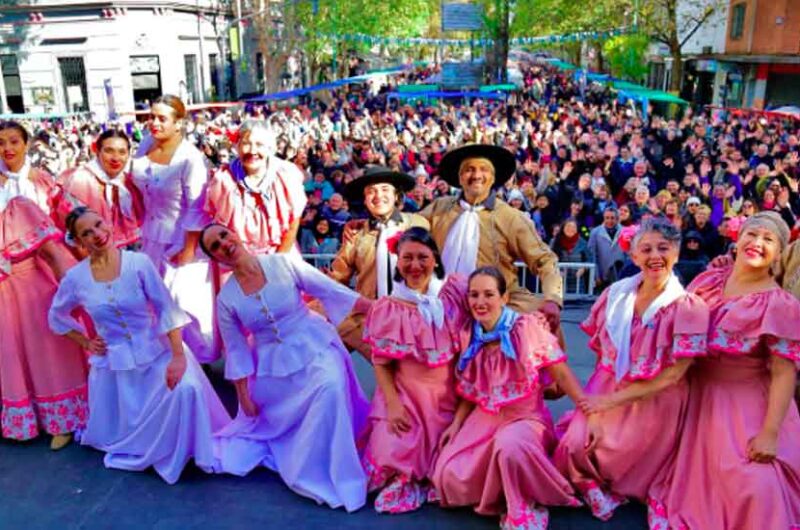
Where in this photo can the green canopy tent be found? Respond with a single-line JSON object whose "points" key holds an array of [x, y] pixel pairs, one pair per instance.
{"points": [[640, 94]]}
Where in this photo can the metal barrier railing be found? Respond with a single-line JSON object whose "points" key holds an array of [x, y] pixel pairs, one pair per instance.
{"points": [[578, 278]]}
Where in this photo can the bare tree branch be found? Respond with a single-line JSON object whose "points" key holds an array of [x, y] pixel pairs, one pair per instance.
{"points": [[709, 11]]}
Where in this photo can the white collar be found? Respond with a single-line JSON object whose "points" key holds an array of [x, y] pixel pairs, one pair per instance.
{"points": [[620, 310], [429, 305]]}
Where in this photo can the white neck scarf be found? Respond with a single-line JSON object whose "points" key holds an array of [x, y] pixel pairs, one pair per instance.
{"points": [[385, 262], [619, 315], [125, 199], [265, 186], [460, 252], [428, 304], [17, 183]]}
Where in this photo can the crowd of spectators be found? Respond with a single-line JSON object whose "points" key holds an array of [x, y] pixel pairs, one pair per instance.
{"points": [[588, 166]]}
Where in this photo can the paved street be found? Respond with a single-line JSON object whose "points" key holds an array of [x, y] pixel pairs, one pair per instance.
{"points": [[71, 490]]}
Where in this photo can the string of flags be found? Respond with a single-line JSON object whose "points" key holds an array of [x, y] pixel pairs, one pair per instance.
{"points": [[373, 40]]}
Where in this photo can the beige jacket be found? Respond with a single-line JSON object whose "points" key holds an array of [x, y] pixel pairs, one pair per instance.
{"points": [[506, 236]]}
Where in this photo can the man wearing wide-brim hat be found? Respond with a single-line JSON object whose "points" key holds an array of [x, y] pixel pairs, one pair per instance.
{"points": [[477, 229], [364, 251]]}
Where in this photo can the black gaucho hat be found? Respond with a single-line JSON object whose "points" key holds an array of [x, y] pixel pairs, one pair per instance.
{"points": [[505, 165], [354, 190]]}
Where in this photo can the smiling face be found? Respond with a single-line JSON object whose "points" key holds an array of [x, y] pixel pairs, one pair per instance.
{"points": [[223, 245], [758, 247], [655, 256], [113, 154], [476, 177], [416, 264], [485, 301], [164, 124], [255, 148], [380, 199], [13, 148], [93, 233]]}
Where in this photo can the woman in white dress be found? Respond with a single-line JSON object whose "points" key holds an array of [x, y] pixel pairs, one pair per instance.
{"points": [[300, 405], [150, 402], [171, 175]]}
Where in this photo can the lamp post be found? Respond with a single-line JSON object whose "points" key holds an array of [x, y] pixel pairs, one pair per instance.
{"points": [[202, 56]]}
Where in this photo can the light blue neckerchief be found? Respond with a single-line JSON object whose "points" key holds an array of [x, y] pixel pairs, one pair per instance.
{"points": [[501, 332]]}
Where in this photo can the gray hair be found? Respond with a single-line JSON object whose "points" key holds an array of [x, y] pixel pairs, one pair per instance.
{"points": [[660, 226], [251, 126], [773, 222]]}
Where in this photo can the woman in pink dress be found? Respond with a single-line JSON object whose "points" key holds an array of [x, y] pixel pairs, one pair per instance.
{"points": [[414, 341], [645, 331], [42, 375], [495, 453], [19, 177], [258, 196], [104, 185], [738, 462]]}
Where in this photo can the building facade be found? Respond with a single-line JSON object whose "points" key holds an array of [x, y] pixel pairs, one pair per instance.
{"points": [[114, 57], [746, 55], [762, 51]]}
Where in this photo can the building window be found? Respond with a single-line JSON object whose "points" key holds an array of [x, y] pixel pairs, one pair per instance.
{"points": [[146, 78], [260, 80], [73, 82], [213, 67], [737, 21], [190, 68], [13, 102]]}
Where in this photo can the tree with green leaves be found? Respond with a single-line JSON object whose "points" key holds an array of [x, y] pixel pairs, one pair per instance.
{"points": [[674, 22]]}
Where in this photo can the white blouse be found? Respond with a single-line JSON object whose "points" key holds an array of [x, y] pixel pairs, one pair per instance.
{"points": [[132, 313], [273, 332], [173, 194]]}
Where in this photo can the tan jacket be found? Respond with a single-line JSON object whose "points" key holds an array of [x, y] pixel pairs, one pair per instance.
{"points": [[357, 257], [506, 236]]}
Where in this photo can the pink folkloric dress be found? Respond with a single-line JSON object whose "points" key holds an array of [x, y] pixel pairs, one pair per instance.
{"points": [[116, 200], [42, 375], [639, 439], [423, 356], [712, 485], [33, 183], [499, 460], [259, 216]]}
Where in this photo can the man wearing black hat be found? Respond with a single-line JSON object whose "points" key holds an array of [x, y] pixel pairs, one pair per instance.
{"points": [[364, 251], [476, 228]]}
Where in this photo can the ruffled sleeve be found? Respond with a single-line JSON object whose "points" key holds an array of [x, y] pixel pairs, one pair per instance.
{"points": [[24, 228], [536, 347], [169, 316], [396, 330], [337, 299], [218, 203], [493, 381], [239, 356], [768, 319], [690, 327], [594, 325], [292, 179], [60, 316], [193, 185], [454, 298]]}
